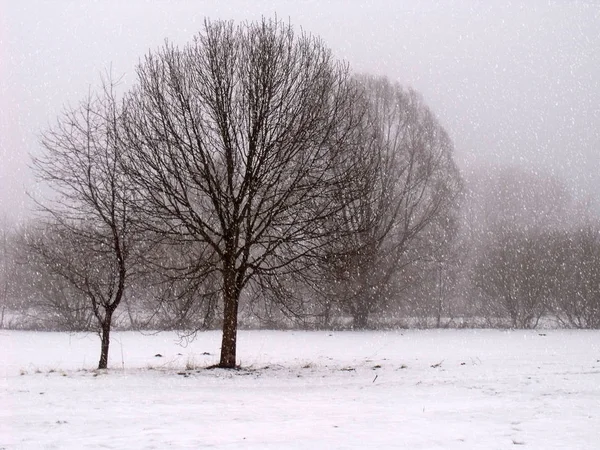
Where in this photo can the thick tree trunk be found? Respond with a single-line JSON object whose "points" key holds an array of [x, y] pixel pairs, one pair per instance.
{"points": [[106, 327], [229, 340], [231, 297], [360, 318]]}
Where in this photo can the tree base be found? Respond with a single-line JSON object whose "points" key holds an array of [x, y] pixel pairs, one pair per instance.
{"points": [[223, 366]]}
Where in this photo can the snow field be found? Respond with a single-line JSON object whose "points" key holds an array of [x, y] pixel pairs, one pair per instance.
{"points": [[434, 389]]}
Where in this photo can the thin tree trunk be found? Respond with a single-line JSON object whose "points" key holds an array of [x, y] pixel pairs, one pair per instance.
{"points": [[440, 305], [106, 327], [111, 307]]}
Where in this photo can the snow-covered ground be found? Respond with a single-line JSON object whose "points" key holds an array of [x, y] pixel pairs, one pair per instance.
{"points": [[446, 389]]}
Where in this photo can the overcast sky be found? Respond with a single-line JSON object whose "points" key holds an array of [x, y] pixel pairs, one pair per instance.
{"points": [[512, 82]]}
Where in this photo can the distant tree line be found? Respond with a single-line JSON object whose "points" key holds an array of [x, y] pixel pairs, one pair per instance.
{"points": [[250, 179]]}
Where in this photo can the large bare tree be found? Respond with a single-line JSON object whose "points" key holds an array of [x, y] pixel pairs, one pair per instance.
{"points": [[240, 141], [406, 205], [88, 206]]}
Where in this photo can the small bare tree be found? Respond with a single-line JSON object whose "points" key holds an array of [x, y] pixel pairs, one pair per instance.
{"points": [[235, 142], [89, 207], [577, 286], [507, 214], [515, 276], [5, 267], [47, 258]]}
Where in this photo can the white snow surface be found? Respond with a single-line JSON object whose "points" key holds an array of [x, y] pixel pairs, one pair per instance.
{"points": [[435, 389]]}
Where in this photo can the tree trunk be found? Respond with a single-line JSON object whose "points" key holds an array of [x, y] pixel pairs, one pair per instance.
{"points": [[229, 340], [231, 297], [106, 326], [440, 305], [360, 317]]}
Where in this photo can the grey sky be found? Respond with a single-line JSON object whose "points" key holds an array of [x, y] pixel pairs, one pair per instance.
{"points": [[511, 81]]}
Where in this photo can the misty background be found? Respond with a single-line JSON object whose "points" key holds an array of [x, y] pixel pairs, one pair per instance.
{"points": [[513, 83]]}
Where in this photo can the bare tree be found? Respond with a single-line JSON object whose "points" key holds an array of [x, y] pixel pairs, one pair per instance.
{"points": [[506, 210], [6, 264], [410, 192], [515, 275], [89, 206], [235, 141], [46, 258], [577, 287]]}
